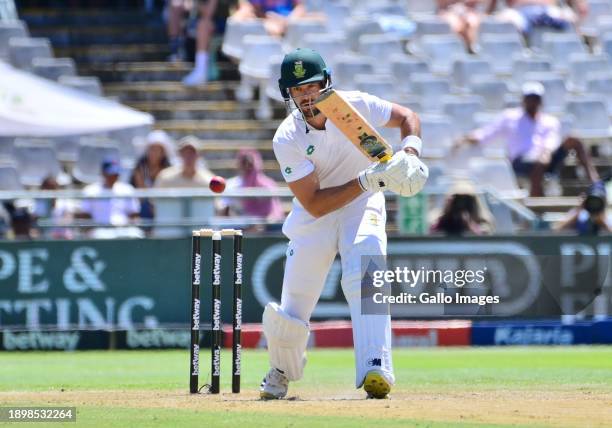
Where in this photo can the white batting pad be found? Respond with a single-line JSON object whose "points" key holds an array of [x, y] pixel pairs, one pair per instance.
{"points": [[287, 338]]}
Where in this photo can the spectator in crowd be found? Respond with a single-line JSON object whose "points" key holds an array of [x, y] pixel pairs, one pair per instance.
{"points": [[22, 221], [464, 213], [276, 13], [60, 211], [115, 211], [250, 166], [5, 220], [154, 159], [209, 20], [590, 217], [527, 14], [533, 140], [176, 10], [463, 16], [191, 173]]}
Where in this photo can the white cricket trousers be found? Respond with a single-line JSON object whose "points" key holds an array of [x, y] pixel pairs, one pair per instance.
{"points": [[355, 230]]}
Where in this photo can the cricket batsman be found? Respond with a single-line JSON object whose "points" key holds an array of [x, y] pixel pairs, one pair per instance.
{"points": [[338, 207]]}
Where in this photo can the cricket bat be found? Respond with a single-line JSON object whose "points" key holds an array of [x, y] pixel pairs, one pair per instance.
{"points": [[354, 126]]}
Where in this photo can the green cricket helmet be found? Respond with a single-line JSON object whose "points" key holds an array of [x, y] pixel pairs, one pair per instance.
{"points": [[300, 67]]}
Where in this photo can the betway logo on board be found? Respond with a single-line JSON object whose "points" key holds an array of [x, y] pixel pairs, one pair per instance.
{"points": [[217, 270], [196, 314], [158, 339], [217, 315], [239, 268], [196, 269], [238, 360], [216, 362], [39, 340], [196, 360], [238, 316]]}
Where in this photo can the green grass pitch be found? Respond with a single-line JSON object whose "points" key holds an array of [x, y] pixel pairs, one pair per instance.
{"points": [[464, 387]]}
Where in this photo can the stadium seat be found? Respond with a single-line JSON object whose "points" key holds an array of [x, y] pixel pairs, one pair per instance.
{"points": [[442, 51], [37, 160], [257, 51], [468, 69], [604, 25], [491, 25], [555, 87], [9, 175], [380, 85], [500, 50], [298, 29], [380, 47], [330, 46], [233, 43], [433, 24], [348, 66], [89, 84], [597, 9], [66, 147], [524, 65], [272, 89], [357, 27], [601, 84], [581, 64], [492, 90], [462, 111], [497, 173], [337, 13], [7, 147], [22, 50], [402, 69], [53, 68], [538, 33], [420, 7], [607, 44], [591, 118], [560, 47], [438, 135], [10, 29], [430, 89], [123, 140], [89, 159]]}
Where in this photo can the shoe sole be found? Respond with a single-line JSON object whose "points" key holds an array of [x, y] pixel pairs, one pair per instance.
{"points": [[376, 386], [267, 396]]}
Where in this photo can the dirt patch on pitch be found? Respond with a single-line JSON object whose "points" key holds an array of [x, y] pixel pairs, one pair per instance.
{"points": [[545, 408]]}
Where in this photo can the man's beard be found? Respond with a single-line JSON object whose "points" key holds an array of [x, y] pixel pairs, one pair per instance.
{"points": [[310, 112]]}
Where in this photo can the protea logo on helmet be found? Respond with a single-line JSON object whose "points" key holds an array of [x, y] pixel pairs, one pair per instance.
{"points": [[298, 69]]}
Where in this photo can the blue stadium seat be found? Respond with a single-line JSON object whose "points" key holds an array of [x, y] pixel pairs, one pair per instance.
{"points": [[9, 175], [37, 160], [235, 31], [430, 89], [468, 69], [591, 118], [500, 50], [582, 64]]}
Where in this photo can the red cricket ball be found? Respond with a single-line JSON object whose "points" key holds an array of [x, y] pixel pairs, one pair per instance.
{"points": [[217, 184]]}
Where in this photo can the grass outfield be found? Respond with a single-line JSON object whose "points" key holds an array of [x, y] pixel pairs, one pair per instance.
{"points": [[553, 386]]}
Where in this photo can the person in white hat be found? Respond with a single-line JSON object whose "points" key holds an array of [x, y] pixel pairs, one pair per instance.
{"points": [[533, 139]]}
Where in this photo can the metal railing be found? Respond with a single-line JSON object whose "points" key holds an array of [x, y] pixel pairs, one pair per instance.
{"points": [[195, 207]]}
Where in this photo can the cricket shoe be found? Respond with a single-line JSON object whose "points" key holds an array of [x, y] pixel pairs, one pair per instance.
{"points": [[274, 386], [376, 385]]}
